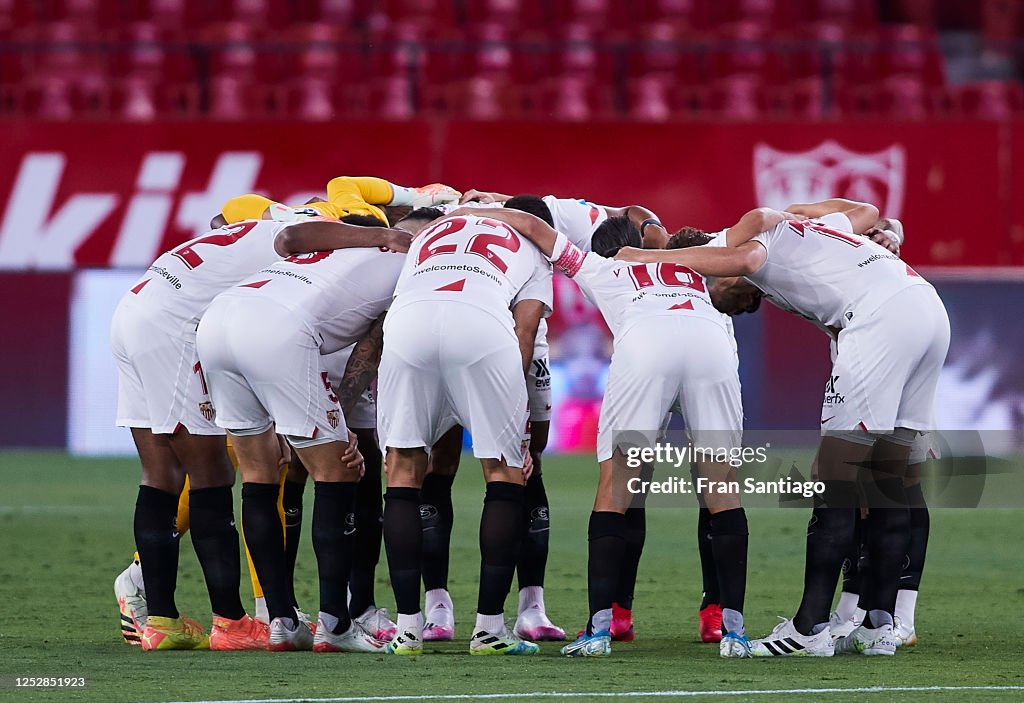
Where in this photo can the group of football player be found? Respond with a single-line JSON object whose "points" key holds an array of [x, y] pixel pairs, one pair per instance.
{"points": [[325, 341]]}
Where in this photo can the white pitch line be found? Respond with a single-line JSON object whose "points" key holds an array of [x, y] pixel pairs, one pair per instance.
{"points": [[621, 694]]}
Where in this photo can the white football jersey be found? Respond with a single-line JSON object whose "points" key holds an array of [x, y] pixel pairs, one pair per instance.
{"points": [[626, 292], [338, 293], [576, 219], [182, 282], [475, 260], [822, 271]]}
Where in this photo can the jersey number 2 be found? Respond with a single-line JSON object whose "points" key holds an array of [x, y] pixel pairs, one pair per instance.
{"points": [[229, 235]]}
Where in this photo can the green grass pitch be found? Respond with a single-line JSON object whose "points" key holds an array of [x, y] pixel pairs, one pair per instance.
{"points": [[65, 533]]}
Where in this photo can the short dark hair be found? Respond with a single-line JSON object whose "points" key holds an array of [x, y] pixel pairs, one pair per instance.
{"points": [[613, 234], [427, 214], [532, 204], [363, 220], [687, 237]]}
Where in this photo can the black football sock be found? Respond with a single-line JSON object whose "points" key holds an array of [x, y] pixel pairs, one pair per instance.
{"points": [[729, 542], [920, 526], [403, 540], [438, 516], [369, 514], [501, 535], [265, 538], [830, 534], [606, 549], [634, 534], [888, 537], [215, 540], [291, 502], [334, 538], [708, 570], [855, 559], [533, 556], [156, 538]]}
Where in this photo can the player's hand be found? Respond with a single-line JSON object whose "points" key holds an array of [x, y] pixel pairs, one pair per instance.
{"points": [[641, 256], [434, 194], [397, 240], [885, 238], [527, 466], [351, 457], [476, 196]]}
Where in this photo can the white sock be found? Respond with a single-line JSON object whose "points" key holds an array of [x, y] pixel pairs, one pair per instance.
{"points": [[906, 605], [530, 597], [329, 621], [858, 616], [438, 596], [411, 623], [401, 195], [262, 614], [491, 623], [135, 574], [847, 605], [602, 620]]}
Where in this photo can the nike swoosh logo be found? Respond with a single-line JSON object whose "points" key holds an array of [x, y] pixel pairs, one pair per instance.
{"points": [[827, 419]]}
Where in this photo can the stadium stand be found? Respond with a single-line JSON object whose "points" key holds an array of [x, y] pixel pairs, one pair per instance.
{"points": [[648, 60]]}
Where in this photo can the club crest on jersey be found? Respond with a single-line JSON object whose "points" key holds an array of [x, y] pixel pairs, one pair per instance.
{"points": [[206, 408], [830, 170], [334, 418]]}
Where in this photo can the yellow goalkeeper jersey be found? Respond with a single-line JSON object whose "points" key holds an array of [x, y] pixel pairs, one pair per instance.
{"points": [[346, 195]]}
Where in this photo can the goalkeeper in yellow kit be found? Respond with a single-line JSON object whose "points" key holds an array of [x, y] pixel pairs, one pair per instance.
{"points": [[346, 196]]}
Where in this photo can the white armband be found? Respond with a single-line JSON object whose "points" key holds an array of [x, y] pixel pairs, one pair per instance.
{"points": [[566, 256]]}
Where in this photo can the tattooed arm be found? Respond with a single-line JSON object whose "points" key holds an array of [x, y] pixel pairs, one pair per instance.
{"points": [[362, 366]]}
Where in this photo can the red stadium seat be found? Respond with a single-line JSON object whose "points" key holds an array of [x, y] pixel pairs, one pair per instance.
{"points": [[578, 52], [649, 99], [909, 49], [1001, 20], [50, 98], [480, 98], [682, 14], [135, 100], [920, 12], [392, 98], [904, 98], [765, 13], [312, 100], [991, 100], [231, 51], [571, 99], [736, 97], [510, 13], [860, 14], [320, 49], [658, 49], [740, 48]]}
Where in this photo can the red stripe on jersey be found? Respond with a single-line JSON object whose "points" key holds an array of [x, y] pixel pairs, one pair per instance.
{"points": [[912, 272], [142, 285], [456, 286], [316, 431], [255, 284], [570, 261], [688, 305], [863, 426], [593, 214]]}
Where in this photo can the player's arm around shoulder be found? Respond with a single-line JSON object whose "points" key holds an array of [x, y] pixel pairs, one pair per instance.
{"points": [[722, 262], [325, 235], [862, 216]]}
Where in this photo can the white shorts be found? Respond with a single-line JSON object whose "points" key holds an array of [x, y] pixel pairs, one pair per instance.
{"points": [[263, 367], [887, 365], [160, 385], [538, 378], [364, 414], [447, 363], [663, 363]]}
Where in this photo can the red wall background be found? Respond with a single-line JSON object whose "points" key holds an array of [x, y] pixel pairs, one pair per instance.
{"points": [[960, 180]]}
